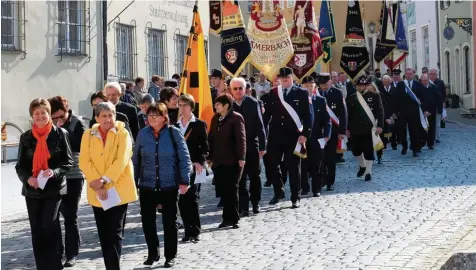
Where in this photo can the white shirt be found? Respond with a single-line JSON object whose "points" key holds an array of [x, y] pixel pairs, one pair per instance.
{"points": [[184, 128], [387, 88], [262, 87]]}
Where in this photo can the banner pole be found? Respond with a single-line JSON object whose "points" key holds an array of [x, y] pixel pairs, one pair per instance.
{"points": [[183, 83]]}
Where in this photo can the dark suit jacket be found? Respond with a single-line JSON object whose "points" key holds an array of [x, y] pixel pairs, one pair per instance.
{"points": [[440, 85], [335, 101], [387, 100], [197, 141], [119, 117], [321, 124], [279, 120], [350, 88], [432, 98], [404, 105], [131, 112], [359, 122], [250, 109]]}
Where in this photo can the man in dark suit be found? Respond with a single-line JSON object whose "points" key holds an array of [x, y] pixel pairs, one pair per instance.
{"points": [[335, 101], [395, 129], [113, 93], [433, 104], [440, 84], [409, 100], [386, 93], [289, 118], [250, 109], [216, 82], [321, 129]]}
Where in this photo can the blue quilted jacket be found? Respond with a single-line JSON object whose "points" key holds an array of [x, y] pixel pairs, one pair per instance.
{"points": [[155, 160]]}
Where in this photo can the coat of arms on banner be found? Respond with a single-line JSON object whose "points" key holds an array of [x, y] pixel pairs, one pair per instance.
{"points": [[300, 60], [231, 56], [271, 47], [352, 65]]}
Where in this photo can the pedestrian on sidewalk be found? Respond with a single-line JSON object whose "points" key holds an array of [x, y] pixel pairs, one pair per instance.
{"points": [[65, 118], [105, 159], [44, 153]]}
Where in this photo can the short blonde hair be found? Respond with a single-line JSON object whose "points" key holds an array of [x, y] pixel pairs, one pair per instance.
{"points": [[115, 85], [40, 103]]}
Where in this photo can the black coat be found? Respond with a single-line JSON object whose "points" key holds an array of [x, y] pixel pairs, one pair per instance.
{"points": [[335, 101], [321, 124], [278, 119], [405, 106], [197, 141], [131, 112], [119, 117], [387, 100], [440, 85], [359, 122], [250, 109], [61, 162], [432, 98], [350, 88]]}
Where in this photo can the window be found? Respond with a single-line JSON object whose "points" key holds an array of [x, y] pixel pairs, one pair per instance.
{"points": [[291, 3], [448, 67], [125, 51], [413, 52], [250, 6], [457, 70], [11, 25], [156, 40], [426, 46], [71, 27], [467, 70], [180, 47]]}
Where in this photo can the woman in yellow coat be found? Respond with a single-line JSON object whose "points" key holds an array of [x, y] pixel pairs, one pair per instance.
{"points": [[105, 159]]}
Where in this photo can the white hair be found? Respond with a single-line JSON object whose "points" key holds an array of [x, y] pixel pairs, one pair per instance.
{"points": [[104, 106], [239, 80], [123, 86], [115, 85], [386, 77]]}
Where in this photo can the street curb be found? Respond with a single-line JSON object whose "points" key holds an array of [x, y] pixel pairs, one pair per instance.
{"points": [[459, 123]]}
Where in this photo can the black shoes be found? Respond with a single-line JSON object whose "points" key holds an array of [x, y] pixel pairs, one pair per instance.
{"points": [[361, 172], [437, 141], [186, 238], [197, 238], [330, 187], [220, 203], [394, 148], [304, 192], [415, 154], [316, 194], [169, 263], [379, 160], [404, 152], [225, 224], [256, 209], [431, 147], [267, 184], [70, 262], [245, 214], [151, 259], [276, 199], [296, 204], [368, 177]]}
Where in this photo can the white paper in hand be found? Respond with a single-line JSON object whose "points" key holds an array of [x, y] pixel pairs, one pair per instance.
{"points": [[112, 199], [201, 177], [42, 180], [322, 142]]}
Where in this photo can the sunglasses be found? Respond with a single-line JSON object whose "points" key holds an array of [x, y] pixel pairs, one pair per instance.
{"points": [[237, 88], [57, 118]]}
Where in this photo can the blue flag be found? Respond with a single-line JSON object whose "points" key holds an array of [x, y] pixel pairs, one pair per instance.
{"points": [[326, 30], [400, 33]]}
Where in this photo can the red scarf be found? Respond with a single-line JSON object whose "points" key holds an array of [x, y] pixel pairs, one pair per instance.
{"points": [[42, 154], [103, 135]]}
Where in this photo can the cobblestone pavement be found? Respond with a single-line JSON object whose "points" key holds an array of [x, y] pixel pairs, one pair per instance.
{"points": [[412, 215]]}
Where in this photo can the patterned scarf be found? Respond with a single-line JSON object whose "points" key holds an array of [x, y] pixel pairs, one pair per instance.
{"points": [[42, 154]]}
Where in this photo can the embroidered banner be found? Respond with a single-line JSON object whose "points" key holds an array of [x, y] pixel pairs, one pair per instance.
{"points": [[326, 30], [271, 47], [386, 39], [215, 17]]}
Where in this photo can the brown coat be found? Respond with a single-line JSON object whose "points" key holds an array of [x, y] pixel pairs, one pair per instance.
{"points": [[227, 140]]}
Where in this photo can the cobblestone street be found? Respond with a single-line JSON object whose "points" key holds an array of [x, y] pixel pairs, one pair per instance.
{"points": [[413, 215]]}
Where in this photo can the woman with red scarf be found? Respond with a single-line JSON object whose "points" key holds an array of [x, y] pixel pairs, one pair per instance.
{"points": [[44, 157]]}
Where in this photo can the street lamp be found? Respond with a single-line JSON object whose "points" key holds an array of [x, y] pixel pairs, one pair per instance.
{"points": [[372, 27]]}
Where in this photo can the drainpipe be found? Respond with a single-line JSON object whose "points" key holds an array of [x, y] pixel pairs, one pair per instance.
{"points": [[438, 37], [104, 40]]}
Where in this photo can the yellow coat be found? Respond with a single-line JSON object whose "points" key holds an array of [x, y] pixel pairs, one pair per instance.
{"points": [[111, 162]]}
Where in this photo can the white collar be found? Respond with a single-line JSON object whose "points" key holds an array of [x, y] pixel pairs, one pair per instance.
{"points": [[241, 102], [192, 119]]}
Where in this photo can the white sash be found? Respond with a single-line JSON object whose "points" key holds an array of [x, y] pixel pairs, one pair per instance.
{"points": [[295, 117], [376, 141], [331, 113], [423, 119]]}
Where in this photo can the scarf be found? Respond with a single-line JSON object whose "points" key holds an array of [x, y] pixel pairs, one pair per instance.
{"points": [[103, 135], [42, 154]]}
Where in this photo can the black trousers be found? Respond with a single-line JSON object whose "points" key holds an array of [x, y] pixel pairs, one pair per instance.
{"points": [[69, 210], [252, 171], [188, 206], [43, 216], [385, 142], [282, 172], [395, 129], [313, 168], [330, 161], [414, 127], [149, 199], [227, 180], [110, 224], [280, 145], [430, 136]]}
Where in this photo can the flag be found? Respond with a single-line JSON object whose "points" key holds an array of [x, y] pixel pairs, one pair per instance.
{"points": [[194, 79], [326, 30], [235, 46], [400, 38], [305, 39], [386, 38], [355, 56], [215, 17], [271, 46]]}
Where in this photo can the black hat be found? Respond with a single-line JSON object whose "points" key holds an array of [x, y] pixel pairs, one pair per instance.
{"points": [[396, 71], [363, 80], [171, 83], [323, 78], [216, 73], [308, 79], [285, 71], [248, 85]]}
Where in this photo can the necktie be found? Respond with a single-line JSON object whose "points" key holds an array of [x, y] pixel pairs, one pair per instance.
{"points": [[285, 91], [411, 83], [324, 93]]}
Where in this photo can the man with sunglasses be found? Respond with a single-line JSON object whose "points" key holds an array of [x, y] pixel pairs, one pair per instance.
{"points": [[250, 109], [289, 117]]}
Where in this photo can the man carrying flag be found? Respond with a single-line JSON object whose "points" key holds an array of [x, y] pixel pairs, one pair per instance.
{"points": [[195, 79], [366, 116], [326, 30]]}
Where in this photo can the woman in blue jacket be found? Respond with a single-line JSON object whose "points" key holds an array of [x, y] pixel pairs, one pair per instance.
{"points": [[162, 169]]}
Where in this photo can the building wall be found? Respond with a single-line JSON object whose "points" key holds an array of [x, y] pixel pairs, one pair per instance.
{"points": [[39, 72], [421, 14], [474, 52], [172, 16], [454, 72]]}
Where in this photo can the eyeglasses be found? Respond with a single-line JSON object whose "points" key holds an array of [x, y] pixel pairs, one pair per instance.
{"points": [[237, 88], [58, 118], [153, 116]]}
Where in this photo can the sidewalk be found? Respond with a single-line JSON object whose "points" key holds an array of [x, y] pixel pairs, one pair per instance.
{"points": [[454, 116]]}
